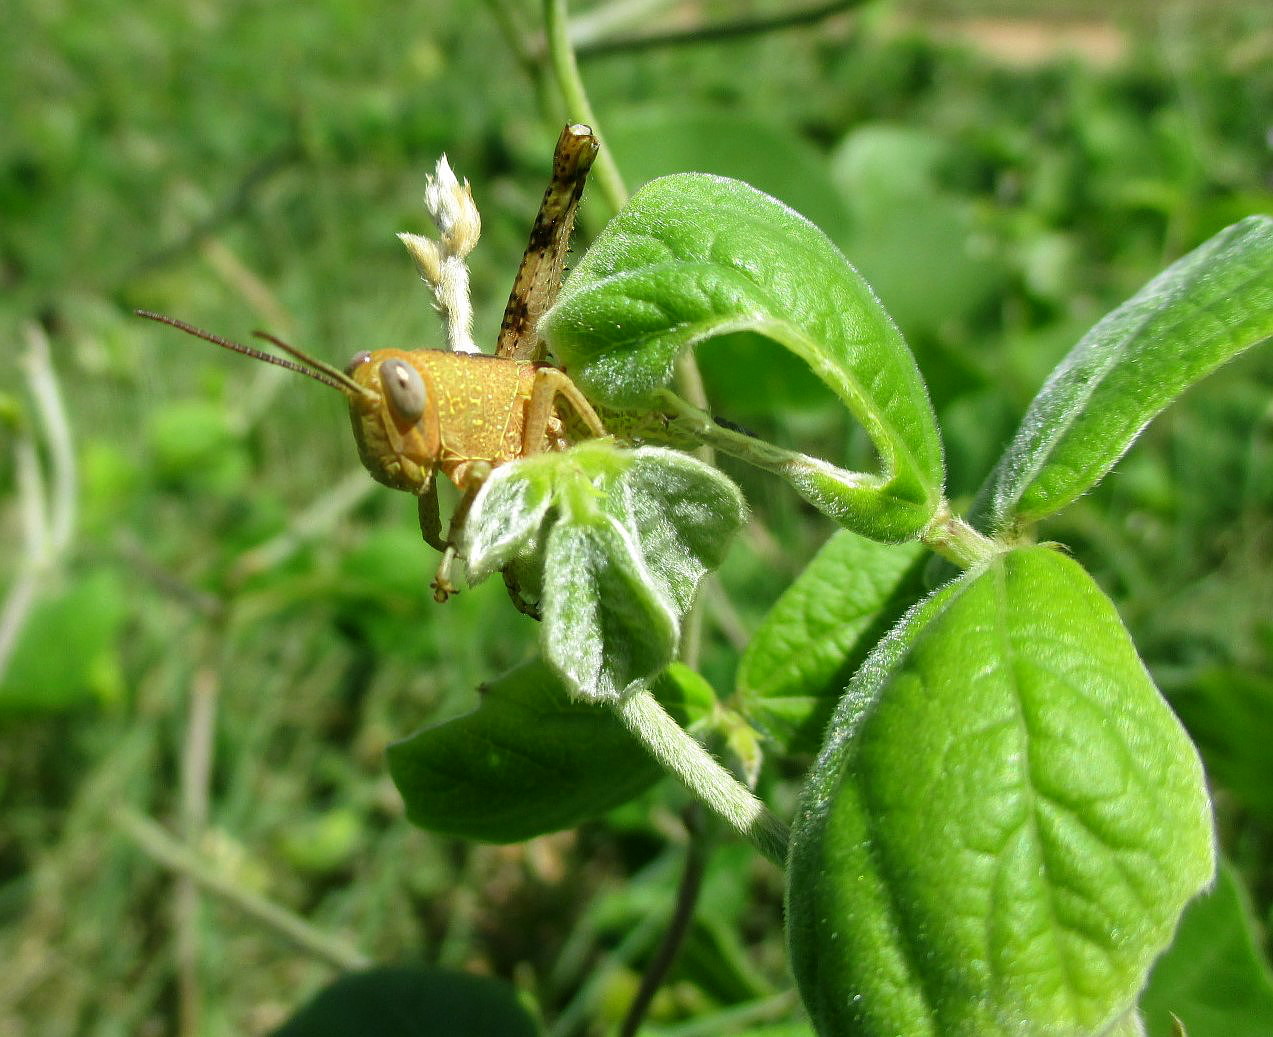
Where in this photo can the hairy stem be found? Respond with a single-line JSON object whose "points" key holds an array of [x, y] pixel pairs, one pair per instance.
{"points": [[955, 540], [703, 775]]}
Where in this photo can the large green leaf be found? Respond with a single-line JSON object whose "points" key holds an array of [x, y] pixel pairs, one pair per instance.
{"points": [[528, 760], [403, 1001], [613, 543], [1005, 823], [819, 631], [1201, 311], [691, 257], [1214, 978]]}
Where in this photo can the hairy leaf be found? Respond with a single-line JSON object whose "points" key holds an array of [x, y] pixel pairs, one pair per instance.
{"points": [[1005, 824], [692, 257], [617, 540], [1201, 311], [819, 631], [528, 760]]}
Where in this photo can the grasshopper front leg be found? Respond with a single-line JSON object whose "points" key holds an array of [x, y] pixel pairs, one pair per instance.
{"points": [[475, 475]]}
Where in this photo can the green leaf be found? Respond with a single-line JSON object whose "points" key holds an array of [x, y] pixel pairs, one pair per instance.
{"points": [[401, 1001], [818, 633], [616, 542], [1214, 977], [1005, 823], [692, 257], [528, 760], [1201, 311]]}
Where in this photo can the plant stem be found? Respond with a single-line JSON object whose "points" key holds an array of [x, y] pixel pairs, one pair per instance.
{"points": [[955, 540], [578, 108], [196, 774], [703, 775]]}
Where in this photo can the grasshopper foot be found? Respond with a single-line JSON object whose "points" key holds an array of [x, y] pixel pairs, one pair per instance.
{"points": [[442, 586]]}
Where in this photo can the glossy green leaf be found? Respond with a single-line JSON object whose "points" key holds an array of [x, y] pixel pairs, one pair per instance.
{"points": [[1214, 978], [613, 543], [1201, 311], [528, 760], [1005, 823], [817, 634], [692, 257], [403, 1001]]}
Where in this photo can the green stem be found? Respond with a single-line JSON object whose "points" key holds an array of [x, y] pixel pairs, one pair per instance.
{"points": [[688, 420], [702, 774], [955, 540], [578, 108]]}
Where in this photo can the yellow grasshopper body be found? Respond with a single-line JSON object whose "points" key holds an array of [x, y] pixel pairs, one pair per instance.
{"points": [[458, 413], [420, 411]]}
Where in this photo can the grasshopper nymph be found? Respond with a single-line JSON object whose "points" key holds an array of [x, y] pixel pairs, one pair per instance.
{"points": [[419, 411]]}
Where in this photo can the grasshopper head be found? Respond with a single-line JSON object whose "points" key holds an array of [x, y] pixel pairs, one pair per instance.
{"points": [[395, 419], [394, 413]]}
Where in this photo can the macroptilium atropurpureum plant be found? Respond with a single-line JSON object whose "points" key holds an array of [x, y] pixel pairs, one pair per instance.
{"points": [[1005, 820]]}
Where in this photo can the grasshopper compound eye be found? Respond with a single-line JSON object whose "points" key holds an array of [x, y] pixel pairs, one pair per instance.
{"points": [[404, 389], [358, 360]]}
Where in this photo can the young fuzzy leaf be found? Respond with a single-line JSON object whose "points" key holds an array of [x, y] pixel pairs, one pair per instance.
{"points": [[617, 540], [691, 257], [819, 631], [1004, 825], [1201, 311]]}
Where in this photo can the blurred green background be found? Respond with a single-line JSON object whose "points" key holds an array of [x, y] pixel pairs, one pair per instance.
{"points": [[230, 621]]}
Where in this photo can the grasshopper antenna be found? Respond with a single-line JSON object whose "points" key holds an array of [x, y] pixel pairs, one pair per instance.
{"points": [[309, 366]]}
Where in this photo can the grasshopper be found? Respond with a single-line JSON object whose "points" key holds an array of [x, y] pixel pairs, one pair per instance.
{"points": [[418, 411]]}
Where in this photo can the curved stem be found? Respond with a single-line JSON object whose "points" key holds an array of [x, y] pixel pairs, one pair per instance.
{"points": [[703, 775], [578, 108]]}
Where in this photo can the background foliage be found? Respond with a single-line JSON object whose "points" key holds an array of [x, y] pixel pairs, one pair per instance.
{"points": [[242, 622]]}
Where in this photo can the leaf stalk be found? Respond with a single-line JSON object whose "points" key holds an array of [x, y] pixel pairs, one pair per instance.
{"points": [[702, 774]]}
